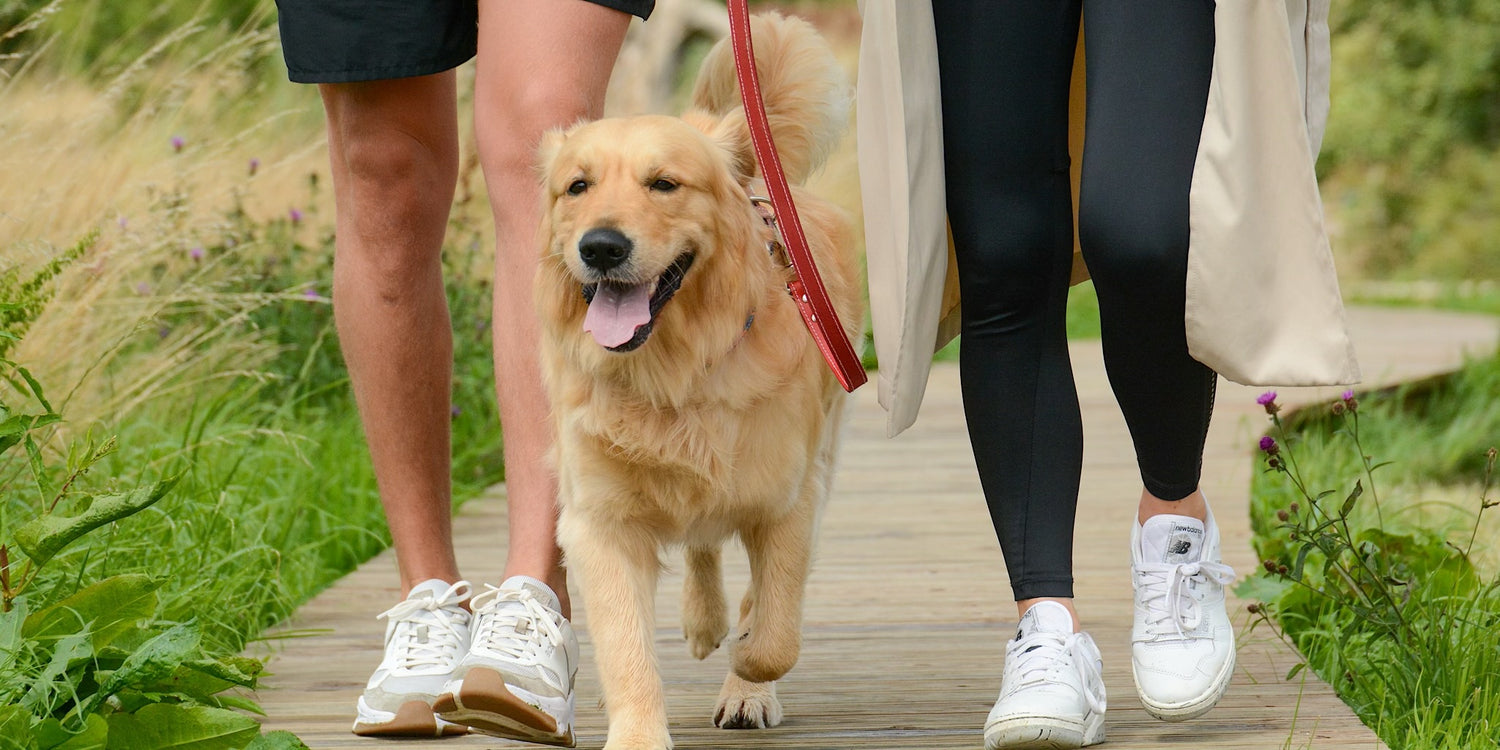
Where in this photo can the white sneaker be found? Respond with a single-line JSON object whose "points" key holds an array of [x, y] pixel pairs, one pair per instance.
{"points": [[425, 636], [1052, 694], [1182, 644], [517, 679]]}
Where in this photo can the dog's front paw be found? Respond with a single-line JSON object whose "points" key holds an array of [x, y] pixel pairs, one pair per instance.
{"points": [[638, 738], [761, 656], [705, 616], [704, 632], [747, 705]]}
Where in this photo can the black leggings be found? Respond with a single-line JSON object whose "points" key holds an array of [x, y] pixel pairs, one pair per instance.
{"points": [[1005, 69]]}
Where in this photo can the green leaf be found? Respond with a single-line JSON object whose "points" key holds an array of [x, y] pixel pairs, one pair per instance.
{"points": [[52, 736], [1296, 572], [1261, 588], [199, 681], [36, 388], [163, 726], [1359, 489], [38, 468], [68, 650], [106, 607], [43, 537], [15, 729], [156, 659], [280, 740], [239, 670], [14, 429], [11, 624], [1295, 669], [237, 702]]}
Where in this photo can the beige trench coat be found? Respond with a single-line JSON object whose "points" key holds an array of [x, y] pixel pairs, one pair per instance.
{"points": [[1263, 304]]}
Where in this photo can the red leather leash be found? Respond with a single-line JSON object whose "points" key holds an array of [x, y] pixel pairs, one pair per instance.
{"points": [[807, 288]]}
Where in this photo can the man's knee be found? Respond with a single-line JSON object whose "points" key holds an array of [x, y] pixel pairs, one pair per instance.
{"points": [[394, 185], [508, 127]]}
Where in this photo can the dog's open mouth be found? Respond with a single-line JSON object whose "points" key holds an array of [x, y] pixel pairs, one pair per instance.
{"points": [[621, 315]]}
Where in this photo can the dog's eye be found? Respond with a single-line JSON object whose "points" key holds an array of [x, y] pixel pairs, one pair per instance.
{"points": [[578, 187], [664, 186]]}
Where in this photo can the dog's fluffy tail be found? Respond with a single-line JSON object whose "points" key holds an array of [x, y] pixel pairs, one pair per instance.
{"points": [[806, 92]]}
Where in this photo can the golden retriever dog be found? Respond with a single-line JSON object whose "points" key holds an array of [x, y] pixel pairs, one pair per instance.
{"points": [[689, 400]]}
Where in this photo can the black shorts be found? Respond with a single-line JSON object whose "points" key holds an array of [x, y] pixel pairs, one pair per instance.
{"points": [[339, 41]]}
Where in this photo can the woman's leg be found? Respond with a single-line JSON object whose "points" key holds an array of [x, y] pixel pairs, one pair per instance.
{"points": [[1149, 63], [1005, 70]]}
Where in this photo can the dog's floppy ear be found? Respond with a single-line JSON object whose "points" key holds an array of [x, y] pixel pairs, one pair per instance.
{"points": [[732, 134], [546, 152]]}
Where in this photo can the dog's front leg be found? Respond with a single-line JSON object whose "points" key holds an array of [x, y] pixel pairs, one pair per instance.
{"points": [[770, 635], [617, 570]]}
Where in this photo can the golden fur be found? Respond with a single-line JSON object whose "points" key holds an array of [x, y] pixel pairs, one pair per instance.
{"points": [[708, 429]]}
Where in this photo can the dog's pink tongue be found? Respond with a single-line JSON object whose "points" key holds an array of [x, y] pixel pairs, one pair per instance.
{"points": [[616, 312]]}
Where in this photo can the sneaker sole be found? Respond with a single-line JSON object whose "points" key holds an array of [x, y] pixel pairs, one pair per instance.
{"points": [[413, 719], [1043, 733], [1189, 709], [483, 703]]}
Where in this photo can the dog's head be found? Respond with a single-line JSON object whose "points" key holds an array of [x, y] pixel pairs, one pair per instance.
{"points": [[645, 221]]}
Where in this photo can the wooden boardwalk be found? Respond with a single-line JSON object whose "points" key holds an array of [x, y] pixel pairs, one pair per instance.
{"points": [[908, 606]]}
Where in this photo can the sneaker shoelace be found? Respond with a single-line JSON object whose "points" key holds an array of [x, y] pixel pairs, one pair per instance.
{"points": [[519, 627], [1170, 593], [1040, 655], [426, 633]]}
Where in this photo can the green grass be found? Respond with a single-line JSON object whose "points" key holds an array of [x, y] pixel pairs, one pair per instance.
{"points": [[1409, 633], [1458, 296]]}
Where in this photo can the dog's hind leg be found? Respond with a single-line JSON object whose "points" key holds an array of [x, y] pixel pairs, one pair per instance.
{"points": [[617, 570], [747, 705], [780, 551], [705, 616]]}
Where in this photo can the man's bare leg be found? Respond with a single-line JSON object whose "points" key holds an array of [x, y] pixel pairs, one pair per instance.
{"points": [[393, 145], [542, 64]]}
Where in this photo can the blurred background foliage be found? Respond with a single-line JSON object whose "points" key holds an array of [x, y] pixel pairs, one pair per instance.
{"points": [[1412, 157], [1410, 166]]}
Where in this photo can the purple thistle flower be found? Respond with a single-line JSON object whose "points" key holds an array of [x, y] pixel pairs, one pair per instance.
{"points": [[1347, 395], [254, 166], [143, 288], [177, 144], [163, 331], [310, 293], [295, 216], [1268, 400], [1269, 446], [123, 222], [196, 253], [455, 411]]}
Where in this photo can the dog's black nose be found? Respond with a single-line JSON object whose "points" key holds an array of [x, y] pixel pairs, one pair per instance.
{"points": [[603, 249]]}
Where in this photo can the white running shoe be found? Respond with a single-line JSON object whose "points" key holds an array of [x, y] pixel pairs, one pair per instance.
{"points": [[425, 636], [1052, 695], [1182, 644], [517, 679]]}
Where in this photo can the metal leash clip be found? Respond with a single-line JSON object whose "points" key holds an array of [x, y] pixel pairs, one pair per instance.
{"points": [[778, 252]]}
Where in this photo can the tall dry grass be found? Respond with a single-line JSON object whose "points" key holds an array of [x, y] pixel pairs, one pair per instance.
{"points": [[153, 160]]}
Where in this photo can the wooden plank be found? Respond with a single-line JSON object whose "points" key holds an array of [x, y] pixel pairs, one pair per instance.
{"points": [[908, 607]]}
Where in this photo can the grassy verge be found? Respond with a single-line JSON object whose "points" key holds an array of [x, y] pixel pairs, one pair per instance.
{"points": [[181, 463], [1380, 565]]}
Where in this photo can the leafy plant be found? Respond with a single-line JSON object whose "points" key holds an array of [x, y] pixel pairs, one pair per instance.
{"points": [[94, 669], [1402, 623]]}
